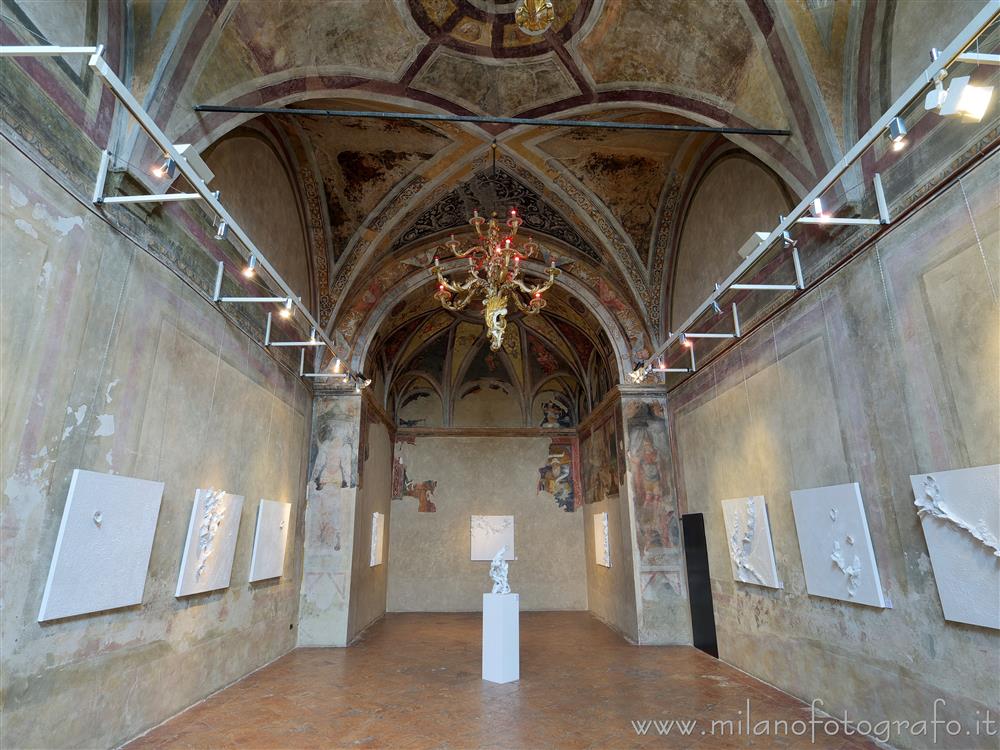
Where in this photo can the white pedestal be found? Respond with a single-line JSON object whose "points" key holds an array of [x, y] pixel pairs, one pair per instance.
{"points": [[501, 638]]}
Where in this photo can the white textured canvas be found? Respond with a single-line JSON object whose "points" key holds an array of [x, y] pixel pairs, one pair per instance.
{"points": [[748, 535], [837, 553], [207, 561], [489, 534], [602, 544], [378, 531], [102, 550], [960, 514], [270, 538]]}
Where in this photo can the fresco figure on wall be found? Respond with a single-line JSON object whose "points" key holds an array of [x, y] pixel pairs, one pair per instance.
{"points": [[603, 470], [403, 486], [556, 478], [422, 491], [657, 526], [556, 415]]}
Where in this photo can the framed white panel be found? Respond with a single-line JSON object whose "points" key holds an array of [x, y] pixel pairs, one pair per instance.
{"points": [[270, 538], [960, 514], [103, 547], [489, 534], [378, 533], [602, 545], [748, 532], [207, 561], [836, 547]]}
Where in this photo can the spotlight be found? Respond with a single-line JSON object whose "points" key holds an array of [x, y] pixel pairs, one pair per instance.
{"points": [[897, 133], [357, 386], [336, 366], [312, 337], [165, 169], [685, 341], [962, 99], [221, 230], [286, 310], [251, 268], [965, 100], [818, 208]]}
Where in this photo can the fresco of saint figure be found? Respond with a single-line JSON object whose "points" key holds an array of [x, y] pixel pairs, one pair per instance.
{"points": [[556, 415], [556, 478]]}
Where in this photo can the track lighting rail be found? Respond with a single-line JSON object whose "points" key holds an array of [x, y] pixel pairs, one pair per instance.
{"points": [[176, 160], [954, 52]]}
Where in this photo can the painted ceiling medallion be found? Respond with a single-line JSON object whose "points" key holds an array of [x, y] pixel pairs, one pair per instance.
{"points": [[494, 29], [534, 17], [494, 274]]}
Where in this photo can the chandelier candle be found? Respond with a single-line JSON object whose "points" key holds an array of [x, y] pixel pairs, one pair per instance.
{"points": [[494, 274]]}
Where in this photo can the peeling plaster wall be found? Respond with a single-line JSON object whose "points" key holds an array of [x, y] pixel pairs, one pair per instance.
{"points": [[368, 584], [664, 611], [889, 368], [113, 364], [429, 565], [329, 520]]}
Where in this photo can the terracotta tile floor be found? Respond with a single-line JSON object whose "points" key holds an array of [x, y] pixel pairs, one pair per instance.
{"points": [[413, 681]]}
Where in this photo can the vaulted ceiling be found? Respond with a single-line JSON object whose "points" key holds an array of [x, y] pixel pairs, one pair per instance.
{"points": [[382, 193]]}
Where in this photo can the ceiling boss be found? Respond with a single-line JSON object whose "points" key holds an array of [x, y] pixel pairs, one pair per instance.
{"points": [[494, 274]]}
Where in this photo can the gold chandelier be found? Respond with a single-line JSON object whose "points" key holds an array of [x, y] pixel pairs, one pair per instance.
{"points": [[494, 274]]}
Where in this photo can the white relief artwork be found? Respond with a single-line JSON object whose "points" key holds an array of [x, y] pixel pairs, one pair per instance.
{"points": [[377, 542], [959, 512], [270, 539], [852, 571], [498, 572], [212, 514], [103, 547], [838, 557], [602, 543], [207, 559], [751, 551], [489, 534]]}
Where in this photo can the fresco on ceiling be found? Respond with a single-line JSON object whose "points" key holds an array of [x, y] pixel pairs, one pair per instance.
{"points": [[600, 447], [657, 523], [487, 192], [560, 475], [430, 359], [474, 28], [419, 405], [362, 161], [542, 325], [441, 372]]}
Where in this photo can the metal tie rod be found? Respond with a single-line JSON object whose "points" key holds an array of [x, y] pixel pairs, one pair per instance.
{"points": [[490, 120]]}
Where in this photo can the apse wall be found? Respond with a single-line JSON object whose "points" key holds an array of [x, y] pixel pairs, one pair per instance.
{"points": [[122, 367], [889, 368], [457, 477]]}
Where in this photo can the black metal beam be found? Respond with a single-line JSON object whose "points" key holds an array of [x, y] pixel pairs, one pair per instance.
{"points": [[485, 119]]}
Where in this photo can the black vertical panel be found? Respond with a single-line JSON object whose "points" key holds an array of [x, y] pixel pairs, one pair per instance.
{"points": [[699, 583]]}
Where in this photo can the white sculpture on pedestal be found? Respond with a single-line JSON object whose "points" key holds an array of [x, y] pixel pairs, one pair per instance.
{"points": [[498, 572]]}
